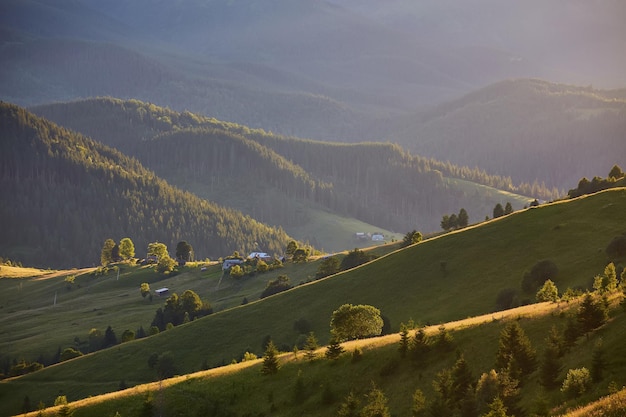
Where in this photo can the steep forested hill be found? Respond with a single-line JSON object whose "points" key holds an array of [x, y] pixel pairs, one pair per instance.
{"points": [[64, 194], [380, 184], [530, 130]]}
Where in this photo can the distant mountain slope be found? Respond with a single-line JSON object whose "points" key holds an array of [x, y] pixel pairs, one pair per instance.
{"points": [[376, 183], [530, 130], [326, 70], [65, 194]]}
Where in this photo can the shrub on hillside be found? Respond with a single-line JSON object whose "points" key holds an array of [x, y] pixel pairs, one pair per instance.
{"points": [[576, 383], [616, 249], [539, 273], [274, 286], [356, 321]]}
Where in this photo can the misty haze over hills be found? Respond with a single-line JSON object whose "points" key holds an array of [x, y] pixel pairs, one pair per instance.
{"points": [[373, 58], [417, 73]]}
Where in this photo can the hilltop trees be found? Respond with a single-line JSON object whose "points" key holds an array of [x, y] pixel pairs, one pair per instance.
{"points": [[274, 286], [411, 238], [597, 183], [184, 251], [157, 249], [356, 321], [177, 310], [454, 221], [355, 258], [106, 255], [328, 266], [126, 248]]}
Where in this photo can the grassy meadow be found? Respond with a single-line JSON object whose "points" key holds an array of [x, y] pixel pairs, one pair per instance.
{"points": [[318, 387], [450, 277]]}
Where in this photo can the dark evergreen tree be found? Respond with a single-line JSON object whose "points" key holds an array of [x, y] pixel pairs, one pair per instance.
{"points": [[334, 349], [350, 407], [598, 361], [550, 367], [498, 211], [591, 314], [376, 405], [508, 208], [462, 218], [420, 344], [515, 352], [310, 346], [403, 347], [444, 342], [462, 381], [443, 403], [270, 360], [109, 338]]}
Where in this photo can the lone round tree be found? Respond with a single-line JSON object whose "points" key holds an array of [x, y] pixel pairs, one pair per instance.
{"points": [[356, 321]]}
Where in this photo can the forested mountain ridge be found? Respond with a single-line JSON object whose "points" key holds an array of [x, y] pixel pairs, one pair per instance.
{"points": [[377, 183], [65, 194], [528, 129]]}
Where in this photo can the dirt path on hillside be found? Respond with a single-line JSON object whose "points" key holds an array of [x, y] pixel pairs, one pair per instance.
{"points": [[55, 274]]}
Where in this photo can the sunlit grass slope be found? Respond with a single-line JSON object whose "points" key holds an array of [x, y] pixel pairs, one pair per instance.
{"points": [[319, 387], [446, 278]]}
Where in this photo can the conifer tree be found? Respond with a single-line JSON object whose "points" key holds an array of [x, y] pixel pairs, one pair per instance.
{"points": [[376, 404], [334, 349], [404, 340], [420, 344], [311, 346], [515, 352], [419, 403], [609, 280], [548, 292], [462, 380], [349, 407], [598, 361], [497, 409], [550, 367], [591, 313], [444, 341], [270, 360]]}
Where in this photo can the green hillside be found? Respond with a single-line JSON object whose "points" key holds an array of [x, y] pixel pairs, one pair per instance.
{"points": [[451, 277], [67, 194], [320, 387]]}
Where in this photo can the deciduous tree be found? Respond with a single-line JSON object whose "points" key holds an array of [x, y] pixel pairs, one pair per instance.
{"points": [[126, 248], [184, 251], [356, 321], [106, 254]]}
